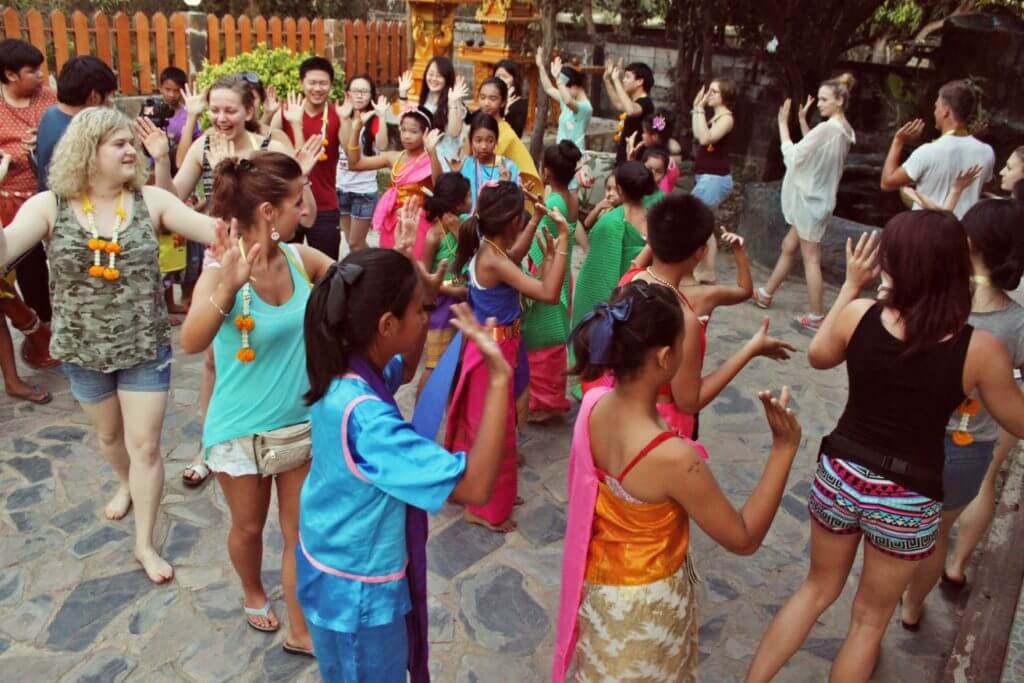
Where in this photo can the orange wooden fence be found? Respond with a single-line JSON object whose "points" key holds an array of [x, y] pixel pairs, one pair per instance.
{"points": [[139, 47]]}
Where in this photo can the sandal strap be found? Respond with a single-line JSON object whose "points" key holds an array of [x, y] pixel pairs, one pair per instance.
{"points": [[258, 611]]}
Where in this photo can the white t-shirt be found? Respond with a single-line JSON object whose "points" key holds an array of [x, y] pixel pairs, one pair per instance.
{"points": [[935, 165]]}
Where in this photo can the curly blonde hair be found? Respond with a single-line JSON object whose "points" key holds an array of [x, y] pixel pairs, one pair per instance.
{"points": [[74, 159]]}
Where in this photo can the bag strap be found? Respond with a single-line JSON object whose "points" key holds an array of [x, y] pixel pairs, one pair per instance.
{"points": [[291, 253]]}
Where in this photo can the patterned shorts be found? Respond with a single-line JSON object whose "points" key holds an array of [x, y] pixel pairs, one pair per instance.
{"points": [[848, 498]]}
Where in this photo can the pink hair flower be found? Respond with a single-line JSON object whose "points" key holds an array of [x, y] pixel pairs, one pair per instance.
{"points": [[658, 123]]}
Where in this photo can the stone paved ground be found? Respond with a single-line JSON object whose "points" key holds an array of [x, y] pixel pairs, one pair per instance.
{"points": [[74, 607]]}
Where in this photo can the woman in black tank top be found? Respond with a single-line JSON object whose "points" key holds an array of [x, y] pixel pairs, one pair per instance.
{"points": [[911, 358]]}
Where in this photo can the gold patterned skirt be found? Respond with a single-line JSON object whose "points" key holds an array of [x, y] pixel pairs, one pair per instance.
{"points": [[639, 633]]}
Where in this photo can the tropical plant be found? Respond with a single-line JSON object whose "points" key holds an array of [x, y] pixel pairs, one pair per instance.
{"points": [[277, 67]]}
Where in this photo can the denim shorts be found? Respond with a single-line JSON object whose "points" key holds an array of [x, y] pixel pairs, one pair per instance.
{"points": [[92, 386], [847, 498], [357, 205], [964, 471], [712, 189]]}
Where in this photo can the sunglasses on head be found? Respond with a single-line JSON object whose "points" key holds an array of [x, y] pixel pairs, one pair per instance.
{"points": [[251, 77]]}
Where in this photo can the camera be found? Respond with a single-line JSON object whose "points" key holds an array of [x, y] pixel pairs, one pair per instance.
{"points": [[157, 111]]}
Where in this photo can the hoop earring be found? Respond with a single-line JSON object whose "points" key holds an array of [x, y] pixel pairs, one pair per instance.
{"points": [[275, 235]]}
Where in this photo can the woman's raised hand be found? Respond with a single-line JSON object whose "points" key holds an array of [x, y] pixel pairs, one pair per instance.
{"points": [[345, 109], [309, 153], [765, 345], [221, 148], [431, 140], [271, 104], [293, 108], [785, 427], [404, 84], [862, 260], [806, 108], [965, 178], [152, 138], [226, 248], [460, 91], [380, 109], [407, 226], [556, 67], [483, 337], [784, 111], [701, 99], [195, 99]]}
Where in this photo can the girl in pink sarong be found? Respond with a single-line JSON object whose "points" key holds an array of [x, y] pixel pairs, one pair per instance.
{"points": [[492, 243], [412, 169], [633, 487]]}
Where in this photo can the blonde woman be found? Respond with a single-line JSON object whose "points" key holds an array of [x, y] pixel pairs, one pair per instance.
{"points": [[99, 223]]}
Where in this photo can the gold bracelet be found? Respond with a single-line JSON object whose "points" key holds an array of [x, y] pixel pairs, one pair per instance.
{"points": [[220, 310], [353, 148], [562, 253]]}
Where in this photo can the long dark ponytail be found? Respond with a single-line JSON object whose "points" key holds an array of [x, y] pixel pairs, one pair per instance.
{"points": [[345, 308], [498, 205]]}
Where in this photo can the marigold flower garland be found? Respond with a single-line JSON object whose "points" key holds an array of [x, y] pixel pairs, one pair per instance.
{"points": [[323, 132], [970, 407], [245, 322], [100, 246]]}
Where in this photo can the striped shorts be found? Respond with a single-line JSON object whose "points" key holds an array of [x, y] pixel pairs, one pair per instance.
{"points": [[847, 498]]}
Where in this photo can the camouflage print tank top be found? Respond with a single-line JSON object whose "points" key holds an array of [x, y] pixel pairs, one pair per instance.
{"points": [[101, 325]]}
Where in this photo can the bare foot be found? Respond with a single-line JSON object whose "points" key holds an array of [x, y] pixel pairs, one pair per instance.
{"points": [[119, 505], [174, 320], [508, 526], [542, 416], [156, 567], [519, 501], [303, 642], [177, 309]]}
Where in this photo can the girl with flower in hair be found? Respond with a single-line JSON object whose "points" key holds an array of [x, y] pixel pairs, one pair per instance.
{"points": [[99, 222], [656, 131]]}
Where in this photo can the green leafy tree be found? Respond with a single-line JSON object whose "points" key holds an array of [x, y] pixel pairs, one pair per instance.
{"points": [[279, 68]]}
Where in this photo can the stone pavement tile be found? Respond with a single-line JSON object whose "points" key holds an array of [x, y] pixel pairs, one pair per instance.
{"points": [[106, 666], [541, 522], [26, 620], [442, 623], [518, 627], [181, 539], [457, 547], [20, 548], [91, 606], [484, 668], [278, 665], [31, 496], [76, 518], [97, 539], [543, 565], [34, 468], [37, 667], [224, 656], [151, 611], [11, 581]]}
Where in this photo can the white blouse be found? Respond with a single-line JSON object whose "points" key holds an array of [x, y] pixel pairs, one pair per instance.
{"points": [[813, 169]]}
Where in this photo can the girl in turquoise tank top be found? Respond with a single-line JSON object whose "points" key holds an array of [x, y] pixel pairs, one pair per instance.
{"points": [[250, 305]]}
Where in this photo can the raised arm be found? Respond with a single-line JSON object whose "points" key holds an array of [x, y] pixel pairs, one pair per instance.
{"points": [[610, 89], [171, 214], [722, 295], [356, 160], [894, 176], [828, 348], [542, 72], [548, 289], [695, 488], [31, 225], [805, 127], [195, 104]]}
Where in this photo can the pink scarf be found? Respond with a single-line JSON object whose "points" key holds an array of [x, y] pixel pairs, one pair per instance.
{"points": [[582, 492], [385, 214]]}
